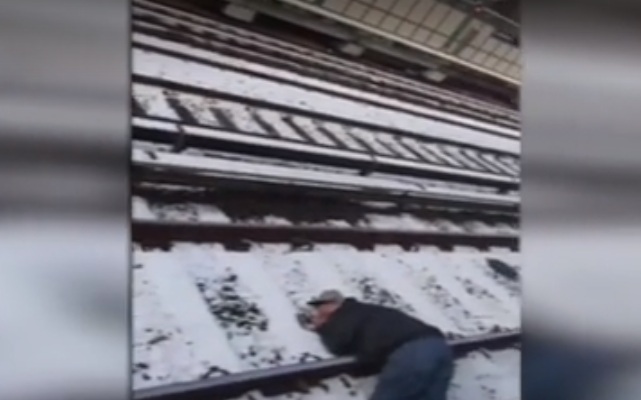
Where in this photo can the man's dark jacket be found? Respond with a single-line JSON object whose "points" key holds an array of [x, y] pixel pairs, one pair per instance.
{"points": [[371, 332]]}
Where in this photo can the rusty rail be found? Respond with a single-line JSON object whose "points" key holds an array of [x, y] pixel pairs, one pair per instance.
{"points": [[161, 233], [291, 378]]}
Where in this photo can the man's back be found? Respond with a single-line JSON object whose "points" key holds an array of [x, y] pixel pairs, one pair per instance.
{"points": [[413, 359], [371, 332]]}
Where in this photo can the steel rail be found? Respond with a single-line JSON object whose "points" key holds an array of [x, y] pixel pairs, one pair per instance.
{"points": [[191, 177], [153, 233], [186, 179], [370, 164], [186, 39], [243, 48], [210, 21], [243, 192], [293, 378]]}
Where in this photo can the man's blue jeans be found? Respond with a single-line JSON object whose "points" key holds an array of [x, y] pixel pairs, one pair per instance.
{"points": [[419, 370]]}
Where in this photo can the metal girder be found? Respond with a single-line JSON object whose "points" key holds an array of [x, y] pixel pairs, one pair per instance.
{"points": [[447, 58]]}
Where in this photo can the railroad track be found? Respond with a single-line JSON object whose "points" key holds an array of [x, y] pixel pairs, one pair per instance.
{"points": [[220, 118], [223, 318], [326, 185], [153, 22], [302, 221], [244, 207], [217, 169], [285, 379], [184, 17], [188, 116], [225, 332], [221, 268]]}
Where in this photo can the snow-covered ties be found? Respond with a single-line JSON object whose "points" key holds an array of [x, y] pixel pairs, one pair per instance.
{"points": [[203, 311]]}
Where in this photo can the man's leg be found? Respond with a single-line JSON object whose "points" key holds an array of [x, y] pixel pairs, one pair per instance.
{"points": [[419, 370], [440, 381], [439, 359], [399, 379]]}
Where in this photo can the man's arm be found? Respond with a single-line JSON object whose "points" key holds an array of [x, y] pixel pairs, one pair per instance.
{"points": [[337, 338], [338, 329]]}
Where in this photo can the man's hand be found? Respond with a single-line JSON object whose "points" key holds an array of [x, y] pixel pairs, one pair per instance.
{"points": [[306, 320], [310, 320]]}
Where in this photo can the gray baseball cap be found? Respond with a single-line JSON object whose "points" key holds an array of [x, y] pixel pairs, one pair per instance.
{"points": [[327, 296]]}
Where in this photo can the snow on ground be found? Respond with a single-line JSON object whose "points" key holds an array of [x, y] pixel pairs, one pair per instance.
{"points": [[178, 212], [175, 338], [225, 32], [491, 376], [201, 310], [204, 76], [317, 83]]}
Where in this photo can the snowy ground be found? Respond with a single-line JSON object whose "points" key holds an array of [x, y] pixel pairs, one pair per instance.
{"points": [[201, 311], [174, 69], [199, 26]]}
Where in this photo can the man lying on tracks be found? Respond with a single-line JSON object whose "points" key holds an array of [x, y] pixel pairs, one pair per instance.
{"points": [[415, 360]]}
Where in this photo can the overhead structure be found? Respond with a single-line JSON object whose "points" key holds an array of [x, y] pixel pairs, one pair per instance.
{"points": [[434, 27], [466, 34], [476, 42]]}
